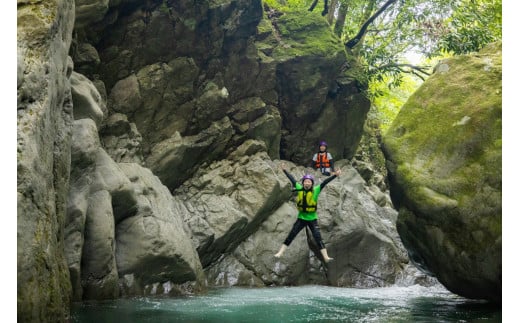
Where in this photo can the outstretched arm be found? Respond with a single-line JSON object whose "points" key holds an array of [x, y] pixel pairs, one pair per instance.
{"points": [[291, 178], [330, 178]]}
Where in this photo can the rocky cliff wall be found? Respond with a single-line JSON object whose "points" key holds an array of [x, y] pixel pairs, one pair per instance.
{"points": [[44, 128]]}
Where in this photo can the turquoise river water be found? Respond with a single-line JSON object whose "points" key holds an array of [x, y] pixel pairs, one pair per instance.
{"points": [[295, 304]]}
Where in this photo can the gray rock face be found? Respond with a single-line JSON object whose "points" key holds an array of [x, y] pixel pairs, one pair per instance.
{"points": [[88, 11], [90, 239], [358, 233], [363, 239], [172, 159], [225, 63], [152, 245], [121, 139], [120, 221], [444, 154], [312, 114], [253, 262], [44, 120], [229, 199], [87, 100], [86, 59]]}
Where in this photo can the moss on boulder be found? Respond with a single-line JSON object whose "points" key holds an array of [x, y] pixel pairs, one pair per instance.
{"points": [[444, 156], [317, 98]]}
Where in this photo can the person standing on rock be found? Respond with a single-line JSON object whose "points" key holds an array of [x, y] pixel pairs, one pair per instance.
{"points": [[322, 160], [307, 204]]}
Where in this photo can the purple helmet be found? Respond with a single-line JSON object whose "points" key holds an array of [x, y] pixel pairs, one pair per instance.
{"points": [[308, 176], [323, 143]]}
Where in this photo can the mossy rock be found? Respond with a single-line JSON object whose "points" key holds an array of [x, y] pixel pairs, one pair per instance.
{"points": [[444, 158], [318, 99], [301, 33]]}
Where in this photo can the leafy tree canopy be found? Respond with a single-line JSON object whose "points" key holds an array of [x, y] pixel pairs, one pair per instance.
{"points": [[382, 32], [472, 25]]}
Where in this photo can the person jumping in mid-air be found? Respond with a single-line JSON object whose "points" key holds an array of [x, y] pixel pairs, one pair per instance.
{"points": [[322, 160], [307, 204]]}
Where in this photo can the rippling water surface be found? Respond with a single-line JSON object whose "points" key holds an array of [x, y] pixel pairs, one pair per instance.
{"points": [[295, 304]]}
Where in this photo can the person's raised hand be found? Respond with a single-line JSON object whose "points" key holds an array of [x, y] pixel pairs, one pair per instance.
{"points": [[337, 172]]}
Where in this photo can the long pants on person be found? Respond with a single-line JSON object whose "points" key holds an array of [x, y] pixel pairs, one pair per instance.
{"points": [[299, 225]]}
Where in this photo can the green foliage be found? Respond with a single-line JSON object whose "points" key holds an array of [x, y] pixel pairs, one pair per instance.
{"points": [[387, 100], [398, 30], [472, 25], [433, 28]]}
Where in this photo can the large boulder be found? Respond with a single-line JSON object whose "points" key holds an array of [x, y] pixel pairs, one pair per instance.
{"points": [[44, 121], [444, 153], [121, 139], [253, 263], [152, 244], [173, 159]]}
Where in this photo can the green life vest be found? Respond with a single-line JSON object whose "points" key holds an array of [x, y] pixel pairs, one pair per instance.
{"points": [[305, 201]]}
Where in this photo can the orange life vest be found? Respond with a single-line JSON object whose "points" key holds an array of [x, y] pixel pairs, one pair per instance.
{"points": [[322, 160]]}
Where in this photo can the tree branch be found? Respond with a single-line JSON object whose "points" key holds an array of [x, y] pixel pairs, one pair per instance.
{"points": [[353, 42], [422, 69], [419, 71]]}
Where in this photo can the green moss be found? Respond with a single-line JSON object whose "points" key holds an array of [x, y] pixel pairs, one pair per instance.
{"points": [[190, 23], [35, 21], [276, 4], [447, 136], [306, 34], [264, 27], [300, 32], [356, 70]]}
